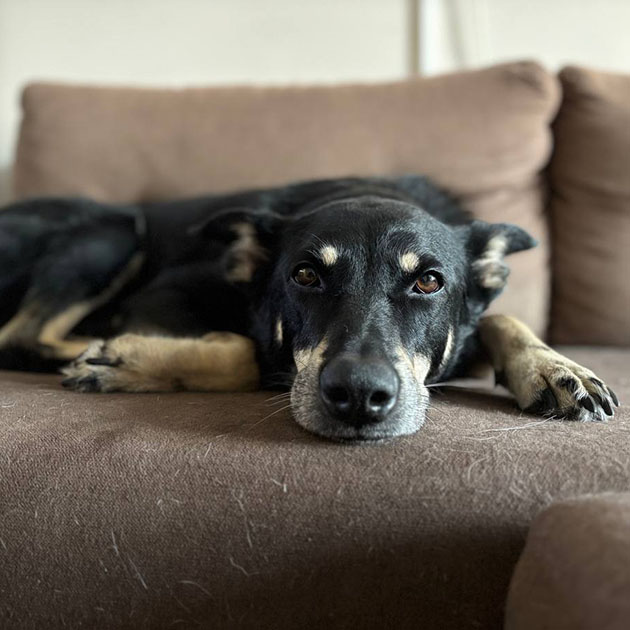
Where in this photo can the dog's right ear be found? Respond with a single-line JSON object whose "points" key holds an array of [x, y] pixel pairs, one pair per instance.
{"points": [[248, 235], [487, 245]]}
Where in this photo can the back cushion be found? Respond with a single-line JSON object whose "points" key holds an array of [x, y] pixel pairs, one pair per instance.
{"points": [[590, 209], [484, 135]]}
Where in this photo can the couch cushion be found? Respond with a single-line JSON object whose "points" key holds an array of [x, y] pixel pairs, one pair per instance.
{"points": [[145, 510], [574, 573], [590, 209], [484, 135]]}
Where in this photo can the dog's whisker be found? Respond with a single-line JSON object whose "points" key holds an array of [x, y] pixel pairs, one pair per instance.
{"points": [[273, 413], [277, 402], [441, 412], [281, 395]]}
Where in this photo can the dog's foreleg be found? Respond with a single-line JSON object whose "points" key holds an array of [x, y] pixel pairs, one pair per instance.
{"points": [[136, 363], [542, 380]]}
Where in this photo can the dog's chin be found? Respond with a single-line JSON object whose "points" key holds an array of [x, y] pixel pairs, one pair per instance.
{"points": [[407, 417], [334, 430]]}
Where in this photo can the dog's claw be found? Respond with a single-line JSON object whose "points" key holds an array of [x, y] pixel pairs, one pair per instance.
{"points": [[613, 396], [548, 400], [104, 361], [605, 405], [587, 403], [84, 384], [544, 404]]}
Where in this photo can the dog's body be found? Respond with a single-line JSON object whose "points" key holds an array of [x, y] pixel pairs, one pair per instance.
{"points": [[357, 292]]}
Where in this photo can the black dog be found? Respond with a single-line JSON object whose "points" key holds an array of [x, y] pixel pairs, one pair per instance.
{"points": [[356, 292]]}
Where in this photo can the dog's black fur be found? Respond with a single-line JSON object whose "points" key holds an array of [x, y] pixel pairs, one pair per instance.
{"points": [[230, 262]]}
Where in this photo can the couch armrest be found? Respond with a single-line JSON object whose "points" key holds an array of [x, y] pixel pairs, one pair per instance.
{"points": [[575, 570]]}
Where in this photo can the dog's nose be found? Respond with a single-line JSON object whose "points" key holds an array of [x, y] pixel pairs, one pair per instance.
{"points": [[359, 390]]}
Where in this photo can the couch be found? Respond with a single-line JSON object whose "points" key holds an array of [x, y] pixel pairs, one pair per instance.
{"points": [[217, 510]]}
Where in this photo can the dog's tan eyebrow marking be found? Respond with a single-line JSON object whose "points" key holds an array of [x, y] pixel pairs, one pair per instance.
{"points": [[279, 331], [408, 261], [329, 255]]}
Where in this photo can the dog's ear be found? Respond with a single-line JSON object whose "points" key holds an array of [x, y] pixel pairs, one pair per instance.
{"points": [[487, 244], [247, 235], [227, 224]]}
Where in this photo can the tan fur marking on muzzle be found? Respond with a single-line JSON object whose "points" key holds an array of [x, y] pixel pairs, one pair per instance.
{"points": [[417, 363], [448, 349], [310, 357], [279, 331]]}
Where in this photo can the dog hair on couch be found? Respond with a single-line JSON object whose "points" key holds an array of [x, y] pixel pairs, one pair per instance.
{"points": [[355, 293]]}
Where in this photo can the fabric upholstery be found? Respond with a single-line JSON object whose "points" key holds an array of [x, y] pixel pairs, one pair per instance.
{"points": [[590, 209], [218, 511], [574, 573], [484, 135]]}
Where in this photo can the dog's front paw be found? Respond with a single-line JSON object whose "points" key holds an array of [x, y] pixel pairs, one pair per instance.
{"points": [[546, 383], [98, 369]]}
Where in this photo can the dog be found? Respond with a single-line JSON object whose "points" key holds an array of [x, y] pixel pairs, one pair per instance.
{"points": [[355, 293]]}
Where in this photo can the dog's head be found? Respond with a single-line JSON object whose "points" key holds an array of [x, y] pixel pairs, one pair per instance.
{"points": [[368, 299]]}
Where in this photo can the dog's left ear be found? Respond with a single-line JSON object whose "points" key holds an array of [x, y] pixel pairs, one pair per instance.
{"points": [[227, 224], [248, 235], [487, 245]]}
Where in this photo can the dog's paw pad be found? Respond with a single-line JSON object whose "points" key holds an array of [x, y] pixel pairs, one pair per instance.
{"points": [[93, 370]]}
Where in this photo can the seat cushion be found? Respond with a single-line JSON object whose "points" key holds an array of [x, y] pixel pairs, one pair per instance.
{"points": [[574, 573], [484, 135], [153, 510], [590, 209]]}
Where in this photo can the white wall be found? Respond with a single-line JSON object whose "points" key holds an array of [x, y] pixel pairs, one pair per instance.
{"points": [[470, 33], [177, 42]]}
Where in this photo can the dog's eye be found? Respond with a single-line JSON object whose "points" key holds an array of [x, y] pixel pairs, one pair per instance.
{"points": [[429, 282], [305, 276]]}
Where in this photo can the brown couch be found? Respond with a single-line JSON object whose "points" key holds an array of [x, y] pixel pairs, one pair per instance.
{"points": [[216, 510]]}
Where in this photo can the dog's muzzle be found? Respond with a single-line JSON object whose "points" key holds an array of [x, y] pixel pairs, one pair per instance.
{"points": [[359, 397]]}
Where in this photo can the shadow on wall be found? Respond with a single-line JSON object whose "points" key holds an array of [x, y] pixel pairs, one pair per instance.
{"points": [[6, 193]]}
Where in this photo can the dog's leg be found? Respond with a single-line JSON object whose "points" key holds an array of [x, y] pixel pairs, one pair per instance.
{"points": [[135, 363], [59, 298], [33, 327], [24, 325], [542, 380]]}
